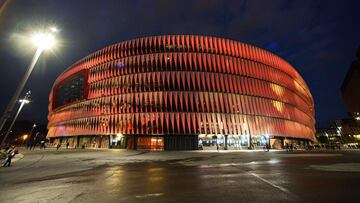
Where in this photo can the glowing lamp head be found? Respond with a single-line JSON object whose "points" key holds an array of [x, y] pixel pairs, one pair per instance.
{"points": [[25, 101], [24, 137], [54, 29], [44, 40], [119, 136]]}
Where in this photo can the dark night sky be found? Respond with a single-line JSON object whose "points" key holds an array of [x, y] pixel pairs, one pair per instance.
{"points": [[319, 38]]}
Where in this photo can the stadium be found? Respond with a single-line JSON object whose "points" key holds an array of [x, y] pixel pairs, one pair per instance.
{"points": [[180, 92]]}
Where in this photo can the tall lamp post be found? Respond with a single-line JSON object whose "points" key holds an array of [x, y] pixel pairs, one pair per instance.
{"points": [[43, 41], [22, 103], [32, 129], [36, 136]]}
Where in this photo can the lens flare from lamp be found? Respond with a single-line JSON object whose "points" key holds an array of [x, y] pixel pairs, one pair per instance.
{"points": [[25, 101], [43, 40], [54, 29]]}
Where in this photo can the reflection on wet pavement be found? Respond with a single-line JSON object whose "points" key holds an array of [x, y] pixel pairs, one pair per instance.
{"points": [[344, 167]]}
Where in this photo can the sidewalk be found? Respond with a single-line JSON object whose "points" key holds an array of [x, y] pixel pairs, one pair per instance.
{"points": [[13, 160], [17, 158]]}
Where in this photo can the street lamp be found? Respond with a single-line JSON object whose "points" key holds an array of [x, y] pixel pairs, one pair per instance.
{"points": [[357, 116], [327, 136], [36, 136], [339, 133], [34, 126], [24, 138], [44, 40], [23, 101]]}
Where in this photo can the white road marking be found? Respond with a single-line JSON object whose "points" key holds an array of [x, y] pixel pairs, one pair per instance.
{"points": [[271, 161], [149, 195], [270, 183]]}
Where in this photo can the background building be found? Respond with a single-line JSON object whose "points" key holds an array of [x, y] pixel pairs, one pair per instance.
{"points": [[350, 88], [180, 92], [327, 135], [341, 131]]}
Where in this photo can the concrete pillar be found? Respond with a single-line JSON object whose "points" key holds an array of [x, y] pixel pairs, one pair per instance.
{"points": [[249, 141], [269, 143], [226, 144], [282, 139]]}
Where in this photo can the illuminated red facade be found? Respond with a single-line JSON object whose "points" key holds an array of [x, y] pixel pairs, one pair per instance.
{"points": [[180, 92]]}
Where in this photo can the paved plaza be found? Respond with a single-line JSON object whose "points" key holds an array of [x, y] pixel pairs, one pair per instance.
{"points": [[177, 176]]}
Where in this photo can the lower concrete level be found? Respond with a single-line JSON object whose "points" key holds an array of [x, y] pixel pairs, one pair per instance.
{"points": [[177, 142]]}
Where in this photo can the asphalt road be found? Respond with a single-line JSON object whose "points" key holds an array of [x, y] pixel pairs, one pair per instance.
{"points": [[199, 176]]}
